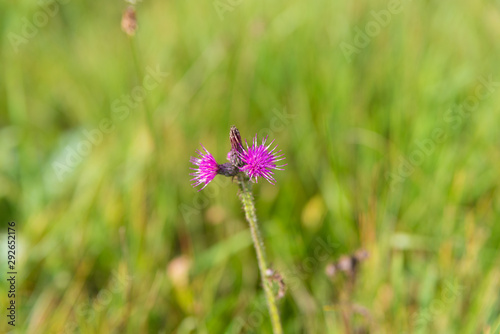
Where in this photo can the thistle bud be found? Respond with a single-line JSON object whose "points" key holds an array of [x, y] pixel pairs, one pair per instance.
{"points": [[236, 147], [129, 21]]}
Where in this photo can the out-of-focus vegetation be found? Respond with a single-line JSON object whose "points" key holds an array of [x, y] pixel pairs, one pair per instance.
{"points": [[391, 140]]}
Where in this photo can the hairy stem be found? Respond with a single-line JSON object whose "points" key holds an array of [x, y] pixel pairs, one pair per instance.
{"points": [[249, 207]]}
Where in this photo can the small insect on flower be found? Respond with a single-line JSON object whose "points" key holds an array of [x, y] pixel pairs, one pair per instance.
{"points": [[260, 161], [205, 170]]}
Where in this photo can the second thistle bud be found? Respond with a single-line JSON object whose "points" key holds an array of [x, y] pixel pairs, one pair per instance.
{"points": [[236, 147]]}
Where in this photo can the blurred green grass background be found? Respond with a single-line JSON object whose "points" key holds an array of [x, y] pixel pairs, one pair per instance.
{"points": [[123, 243]]}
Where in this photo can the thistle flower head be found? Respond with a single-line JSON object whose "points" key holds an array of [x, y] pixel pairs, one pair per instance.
{"points": [[255, 161], [260, 160], [205, 168]]}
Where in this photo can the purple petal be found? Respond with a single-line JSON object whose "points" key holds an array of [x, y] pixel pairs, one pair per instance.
{"points": [[205, 168], [260, 161]]}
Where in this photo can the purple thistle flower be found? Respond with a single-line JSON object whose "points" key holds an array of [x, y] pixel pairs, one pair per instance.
{"points": [[255, 161], [206, 168], [260, 161]]}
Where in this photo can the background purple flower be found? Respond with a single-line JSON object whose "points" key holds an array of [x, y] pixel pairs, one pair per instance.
{"points": [[260, 161], [205, 170]]}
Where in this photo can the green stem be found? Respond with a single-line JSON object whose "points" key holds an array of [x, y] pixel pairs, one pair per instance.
{"points": [[147, 110], [249, 207], [152, 130]]}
